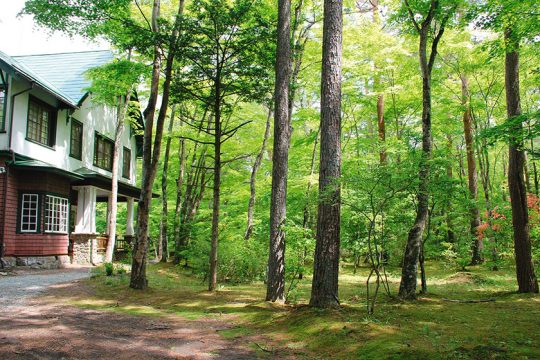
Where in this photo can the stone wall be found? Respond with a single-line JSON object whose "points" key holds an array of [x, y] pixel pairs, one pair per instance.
{"points": [[85, 249]]}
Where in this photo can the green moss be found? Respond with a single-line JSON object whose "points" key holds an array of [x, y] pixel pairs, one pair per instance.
{"points": [[430, 328]]}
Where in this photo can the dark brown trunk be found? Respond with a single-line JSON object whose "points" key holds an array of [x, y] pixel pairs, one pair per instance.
{"points": [[140, 249], [212, 276], [151, 156], [163, 229], [253, 178], [324, 289], [275, 289], [477, 244], [450, 235], [179, 196], [526, 278]]}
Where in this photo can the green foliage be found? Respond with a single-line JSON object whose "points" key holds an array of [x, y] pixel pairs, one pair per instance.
{"points": [[109, 269]]}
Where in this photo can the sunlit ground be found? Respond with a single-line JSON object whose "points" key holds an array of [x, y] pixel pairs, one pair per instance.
{"points": [[430, 328]]}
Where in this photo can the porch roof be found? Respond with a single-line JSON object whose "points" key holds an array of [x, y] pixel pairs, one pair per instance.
{"points": [[96, 179], [32, 164]]}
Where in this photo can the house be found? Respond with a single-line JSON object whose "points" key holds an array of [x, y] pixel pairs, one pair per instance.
{"points": [[56, 149]]}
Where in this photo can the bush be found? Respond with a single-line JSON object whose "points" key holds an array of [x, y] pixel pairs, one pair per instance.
{"points": [[109, 269]]}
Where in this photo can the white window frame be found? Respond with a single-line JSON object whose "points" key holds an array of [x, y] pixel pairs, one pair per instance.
{"points": [[56, 214], [29, 227]]}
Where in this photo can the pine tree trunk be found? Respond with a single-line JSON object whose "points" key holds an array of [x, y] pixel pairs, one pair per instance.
{"points": [[253, 178], [526, 278], [477, 244], [163, 228], [121, 111], [324, 290], [275, 286]]}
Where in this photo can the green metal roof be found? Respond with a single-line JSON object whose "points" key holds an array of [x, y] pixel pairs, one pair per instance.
{"points": [[32, 164], [63, 74], [66, 71]]}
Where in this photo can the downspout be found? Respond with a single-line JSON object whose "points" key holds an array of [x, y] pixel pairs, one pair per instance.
{"points": [[11, 112]]}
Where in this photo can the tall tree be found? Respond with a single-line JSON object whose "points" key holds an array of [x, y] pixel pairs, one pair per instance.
{"points": [[516, 21], [151, 155], [324, 289], [228, 63], [477, 243], [113, 84], [253, 177], [163, 226], [516, 161], [275, 289], [429, 21]]}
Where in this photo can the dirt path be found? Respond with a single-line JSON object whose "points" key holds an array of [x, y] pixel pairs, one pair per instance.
{"points": [[41, 328]]}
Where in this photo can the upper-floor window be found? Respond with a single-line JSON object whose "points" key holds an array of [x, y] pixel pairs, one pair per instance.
{"points": [[75, 149], [126, 163], [3, 92], [103, 152], [41, 126]]}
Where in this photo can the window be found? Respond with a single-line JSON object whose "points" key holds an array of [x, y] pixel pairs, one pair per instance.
{"points": [[126, 164], [103, 152], [75, 149], [56, 214], [41, 123], [3, 93], [29, 220]]}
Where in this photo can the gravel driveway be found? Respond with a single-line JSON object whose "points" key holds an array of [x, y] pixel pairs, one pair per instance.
{"points": [[16, 289]]}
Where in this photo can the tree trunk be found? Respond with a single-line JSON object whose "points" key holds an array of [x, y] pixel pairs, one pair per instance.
{"points": [[450, 235], [179, 202], [275, 289], [526, 278], [140, 249], [163, 228], [477, 244], [151, 156], [407, 287], [212, 276], [121, 111], [381, 126], [324, 290], [253, 179]]}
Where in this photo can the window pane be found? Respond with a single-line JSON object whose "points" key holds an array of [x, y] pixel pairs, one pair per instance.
{"points": [[29, 212], [39, 122], [57, 214]]}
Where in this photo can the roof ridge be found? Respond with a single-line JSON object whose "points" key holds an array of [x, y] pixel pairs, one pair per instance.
{"points": [[62, 53]]}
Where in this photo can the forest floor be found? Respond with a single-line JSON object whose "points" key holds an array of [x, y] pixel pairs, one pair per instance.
{"points": [[234, 317]]}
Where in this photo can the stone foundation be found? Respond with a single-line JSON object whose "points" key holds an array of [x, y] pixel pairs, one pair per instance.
{"points": [[38, 262], [85, 249]]}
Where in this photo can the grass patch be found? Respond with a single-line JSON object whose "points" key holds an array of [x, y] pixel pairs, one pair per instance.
{"points": [[430, 328]]}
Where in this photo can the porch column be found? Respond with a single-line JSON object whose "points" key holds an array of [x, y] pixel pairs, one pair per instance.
{"points": [[129, 217], [109, 209], [86, 210]]}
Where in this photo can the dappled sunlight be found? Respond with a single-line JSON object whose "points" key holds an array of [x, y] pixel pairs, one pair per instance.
{"points": [[433, 324]]}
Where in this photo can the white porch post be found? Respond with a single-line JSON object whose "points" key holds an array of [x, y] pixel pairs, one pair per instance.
{"points": [[109, 209], [86, 210], [129, 217]]}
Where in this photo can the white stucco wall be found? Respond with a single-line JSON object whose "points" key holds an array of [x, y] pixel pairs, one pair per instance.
{"points": [[95, 117]]}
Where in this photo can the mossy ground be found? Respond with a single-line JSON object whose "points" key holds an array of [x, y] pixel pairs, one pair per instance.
{"points": [[429, 328]]}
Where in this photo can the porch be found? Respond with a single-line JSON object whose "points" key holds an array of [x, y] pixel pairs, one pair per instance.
{"points": [[87, 244]]}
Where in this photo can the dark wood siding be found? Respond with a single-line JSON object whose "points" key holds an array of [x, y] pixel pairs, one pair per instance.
{"points": [[38, 244]]}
